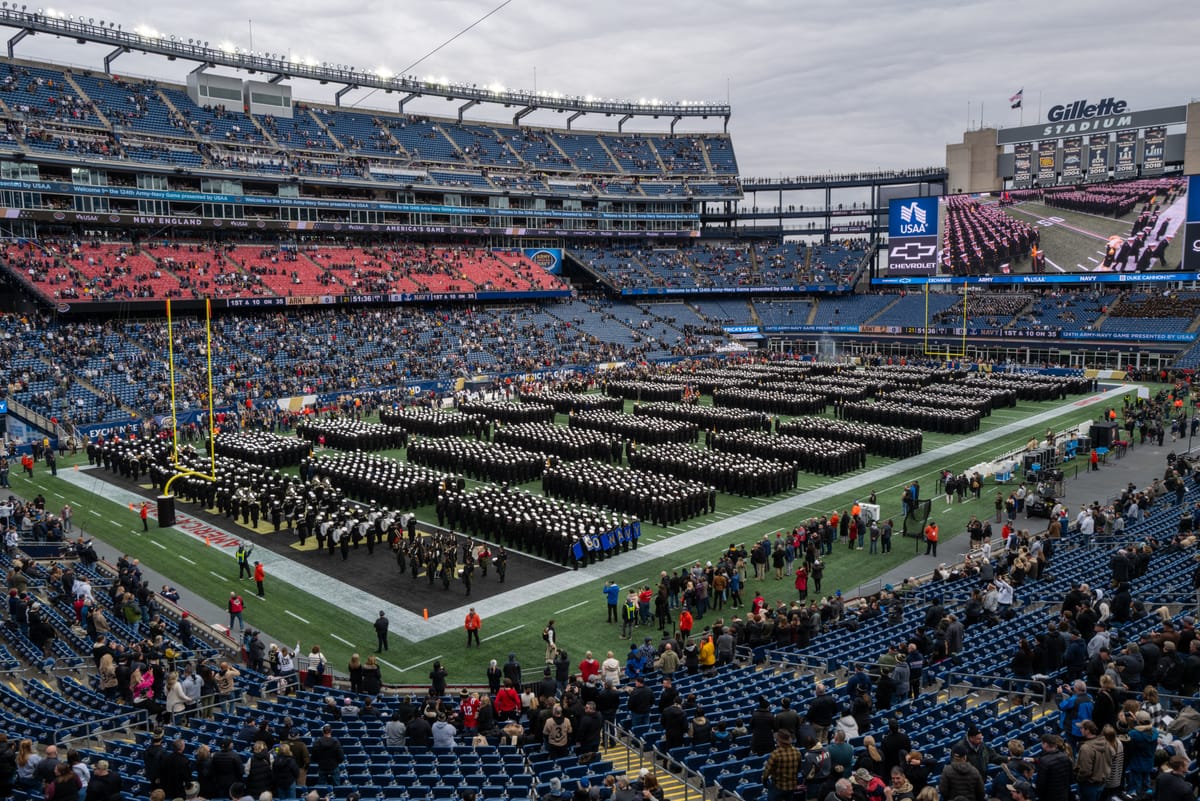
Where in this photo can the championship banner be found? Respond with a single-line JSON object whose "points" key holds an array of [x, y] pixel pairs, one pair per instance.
{"points": [[1154, 141], [913, 236], [1046, 152], [1126, 149], [1072, 165], [1023, 165], [1097, 158]]}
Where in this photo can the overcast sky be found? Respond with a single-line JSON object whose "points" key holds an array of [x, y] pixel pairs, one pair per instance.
{"points": [[816, 85]]}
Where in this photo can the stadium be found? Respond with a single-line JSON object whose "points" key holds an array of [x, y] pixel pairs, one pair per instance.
{"points": [[489, 453]]}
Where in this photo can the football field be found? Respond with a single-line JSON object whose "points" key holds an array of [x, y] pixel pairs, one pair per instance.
{"points": [[323, 600]]}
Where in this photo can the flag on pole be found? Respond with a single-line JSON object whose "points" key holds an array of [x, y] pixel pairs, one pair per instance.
{"points": [[1017, 98]]}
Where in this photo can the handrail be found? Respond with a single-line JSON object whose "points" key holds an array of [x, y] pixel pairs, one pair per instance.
{"points": [[38, 419], [694, 784]]}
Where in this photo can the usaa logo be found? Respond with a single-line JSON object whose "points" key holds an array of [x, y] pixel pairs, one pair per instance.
{"points": [[544, 259], [913, 218]]}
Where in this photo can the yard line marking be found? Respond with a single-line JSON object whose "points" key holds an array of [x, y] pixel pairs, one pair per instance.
{"points": [[59, 495], [158, 544], [385, 662], [485, 639], [434, 659], [185, 559], [93, 511], [569, 608], [114, 522], [218, 575], [343, 642], [293, 614], [634, 583]]}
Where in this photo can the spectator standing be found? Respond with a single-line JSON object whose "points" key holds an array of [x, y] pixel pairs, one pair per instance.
{"points": [[381, 632], [782, 768], [327, 755]]}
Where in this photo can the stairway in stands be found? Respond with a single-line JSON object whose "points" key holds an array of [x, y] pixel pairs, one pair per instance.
{"points": [[626, 761]]}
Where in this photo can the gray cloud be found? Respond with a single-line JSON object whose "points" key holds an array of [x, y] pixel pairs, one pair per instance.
{"points": [[815, 85]]}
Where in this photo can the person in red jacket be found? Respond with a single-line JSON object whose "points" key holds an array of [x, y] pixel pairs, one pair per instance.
{"points": [[685, 623], [588, 667], [259, 574], [144, 513], [802, 582], [507, 702]]}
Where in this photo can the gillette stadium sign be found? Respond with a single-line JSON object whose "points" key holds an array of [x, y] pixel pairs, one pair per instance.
{"points": [[1086, 117], [1080, 110]]}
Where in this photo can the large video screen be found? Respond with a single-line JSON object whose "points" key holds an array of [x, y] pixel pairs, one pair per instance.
{"points": [[1069, 234]]}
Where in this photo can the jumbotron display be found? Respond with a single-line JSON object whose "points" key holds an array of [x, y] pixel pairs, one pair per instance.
{"points": [[1097, 233]]}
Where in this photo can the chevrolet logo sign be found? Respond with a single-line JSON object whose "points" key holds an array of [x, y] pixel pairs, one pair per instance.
{"points": [[912, 251]]}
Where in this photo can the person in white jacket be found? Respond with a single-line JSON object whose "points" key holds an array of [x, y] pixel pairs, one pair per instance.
{"points": [[178, 700]]}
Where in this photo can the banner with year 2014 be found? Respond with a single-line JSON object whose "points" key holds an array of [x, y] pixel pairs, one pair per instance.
{"points": [[1097, 149]]}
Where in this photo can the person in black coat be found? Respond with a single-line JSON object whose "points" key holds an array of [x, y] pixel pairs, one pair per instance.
{"points": [[419, 733], [285, 771], [512, 671], [675, 724], [589, 729], [327, 753], [227, 768], [762, 729], [105, 784], [8, 766], [174, 770], [1173, 784], [260, 774], [1054, 770]]}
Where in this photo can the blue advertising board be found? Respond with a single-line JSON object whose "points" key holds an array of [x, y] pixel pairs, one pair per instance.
{"points": [[914, 216], [913, 236]]}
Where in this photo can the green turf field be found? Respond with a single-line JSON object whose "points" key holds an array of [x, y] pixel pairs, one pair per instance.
{"points": [[300, 614]]}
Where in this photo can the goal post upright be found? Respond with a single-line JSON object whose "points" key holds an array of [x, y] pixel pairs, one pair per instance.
{"points": [[212, 453]]}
